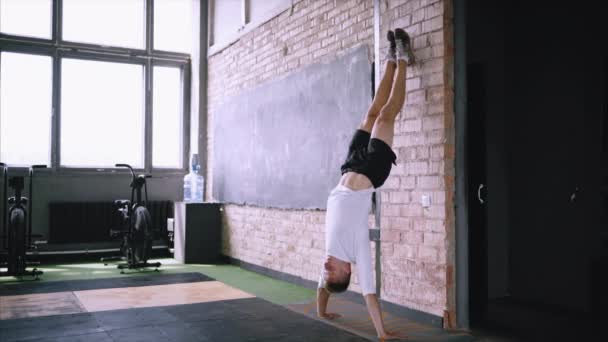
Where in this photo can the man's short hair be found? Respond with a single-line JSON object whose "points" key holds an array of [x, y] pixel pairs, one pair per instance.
{"points": [[338, 286]]}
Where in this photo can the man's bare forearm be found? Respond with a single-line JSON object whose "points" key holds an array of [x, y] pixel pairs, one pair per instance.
{"points": [[373, 307], [322, 299]]}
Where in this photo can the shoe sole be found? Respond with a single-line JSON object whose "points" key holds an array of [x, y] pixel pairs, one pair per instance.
{"points": [[402, 35], [405, 38], [390, 36]]}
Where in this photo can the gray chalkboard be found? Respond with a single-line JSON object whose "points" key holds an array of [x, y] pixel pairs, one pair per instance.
{"points": [[281, 144]]}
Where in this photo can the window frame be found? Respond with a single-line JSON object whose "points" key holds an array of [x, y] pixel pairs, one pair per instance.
{"points": [[57, 49], [247, 25], [35, 51], [185, 107]]}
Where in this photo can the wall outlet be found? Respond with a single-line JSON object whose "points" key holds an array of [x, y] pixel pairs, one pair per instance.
{"points": [[426, 201]]}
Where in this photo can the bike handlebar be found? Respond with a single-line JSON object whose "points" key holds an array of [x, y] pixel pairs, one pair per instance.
{"points": [[127, 166], [131, 169]]}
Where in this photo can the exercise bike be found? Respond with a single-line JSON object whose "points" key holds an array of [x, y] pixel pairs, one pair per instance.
{"points": [[135, 230], [16, 229]]}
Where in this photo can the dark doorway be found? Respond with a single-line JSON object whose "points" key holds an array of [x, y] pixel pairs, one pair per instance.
{"points": [[476, 161], [535, 139]]}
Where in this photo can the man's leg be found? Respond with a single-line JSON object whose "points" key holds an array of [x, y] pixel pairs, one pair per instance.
{"points": [[380, 99], [384, 88], [384, 126]]}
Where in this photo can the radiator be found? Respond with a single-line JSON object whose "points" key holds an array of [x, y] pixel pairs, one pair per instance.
{"points": [[78, 222]]}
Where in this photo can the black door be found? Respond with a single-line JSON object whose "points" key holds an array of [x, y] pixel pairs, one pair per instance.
{"points": [[476, 164]]}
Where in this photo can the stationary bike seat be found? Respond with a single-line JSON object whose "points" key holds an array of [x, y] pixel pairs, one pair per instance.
{"points": [[122, 203], [13, 200]]}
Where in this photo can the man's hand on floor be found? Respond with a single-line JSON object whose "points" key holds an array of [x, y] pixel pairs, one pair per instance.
{"points": [[330, 316], [392, 336]]}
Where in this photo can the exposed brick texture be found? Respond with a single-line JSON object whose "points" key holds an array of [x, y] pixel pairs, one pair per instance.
{"points": [[418, 243]]}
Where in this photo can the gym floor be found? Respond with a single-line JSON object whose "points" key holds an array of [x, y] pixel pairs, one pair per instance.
{"points": [[92, 302]]}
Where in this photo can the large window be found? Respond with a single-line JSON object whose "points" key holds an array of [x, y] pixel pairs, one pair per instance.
{"points": [[229, 19], [26, 18], [171, 26], [25, 108], [87, 84], [105, 22], [95, 132], [167, 119]]}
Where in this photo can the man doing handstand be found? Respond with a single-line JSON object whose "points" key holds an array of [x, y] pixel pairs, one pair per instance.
{"points": [[367, 166]]}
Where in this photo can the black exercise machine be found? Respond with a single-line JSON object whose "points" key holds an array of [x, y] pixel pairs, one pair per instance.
{"points": [[16, 230], [136, 231]]}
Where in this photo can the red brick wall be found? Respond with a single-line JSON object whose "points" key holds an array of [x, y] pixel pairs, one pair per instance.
{"points": [[418, 273], [418, 247]]}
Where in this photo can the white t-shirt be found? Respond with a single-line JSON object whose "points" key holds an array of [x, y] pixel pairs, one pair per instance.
{"points": [[347, 232]]}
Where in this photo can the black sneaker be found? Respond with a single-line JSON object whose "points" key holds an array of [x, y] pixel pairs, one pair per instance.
{"points": [[390, 36], [404, 46], [391, 54]]}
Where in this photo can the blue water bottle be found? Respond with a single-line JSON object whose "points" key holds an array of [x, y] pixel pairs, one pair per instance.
{"points": [[194, 183]]}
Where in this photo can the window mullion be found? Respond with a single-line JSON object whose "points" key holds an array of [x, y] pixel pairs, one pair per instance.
{"points": [[148, 117], [186, 97], [56, 112], [149, 26], [149, 79], [57, 21], [56, 100]]}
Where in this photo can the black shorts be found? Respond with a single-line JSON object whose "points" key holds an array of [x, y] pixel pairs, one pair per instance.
{"points": [[370, 157]]}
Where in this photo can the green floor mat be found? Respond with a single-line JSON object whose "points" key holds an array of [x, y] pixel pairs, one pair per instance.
{"points": [[275, 291]]}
